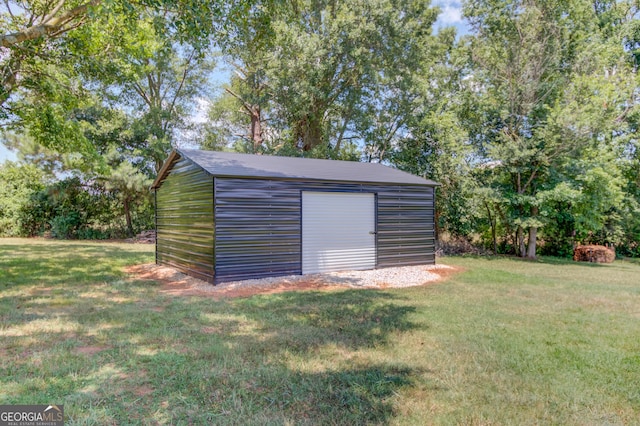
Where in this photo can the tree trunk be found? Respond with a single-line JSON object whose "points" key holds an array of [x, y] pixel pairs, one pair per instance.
{"points": [[312, 133], [533, 234], [127, 215], [492, 221], [347, 117], [520, 241], [256, 127], [520, 209], [531, 247], [494, 237]]}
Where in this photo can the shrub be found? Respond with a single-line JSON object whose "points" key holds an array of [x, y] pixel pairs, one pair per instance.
{"points": [[65, 226]]}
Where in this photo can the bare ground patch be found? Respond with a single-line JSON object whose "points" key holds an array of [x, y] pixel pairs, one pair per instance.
{"points": [[90, 350], [143, 390], [174, 282]]}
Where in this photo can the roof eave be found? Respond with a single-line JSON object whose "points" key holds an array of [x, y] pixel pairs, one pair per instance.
{"points": [[165, 169], [304, 179], [176, 154]]}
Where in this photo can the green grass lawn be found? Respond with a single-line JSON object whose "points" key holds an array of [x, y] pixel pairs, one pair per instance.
{"points": [[504, 342]]}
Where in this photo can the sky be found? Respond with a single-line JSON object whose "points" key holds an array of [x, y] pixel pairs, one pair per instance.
{"points": [[451, 15], [5, 154]]}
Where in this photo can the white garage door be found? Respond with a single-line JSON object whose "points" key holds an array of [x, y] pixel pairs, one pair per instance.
{"points": [[338, 231]]}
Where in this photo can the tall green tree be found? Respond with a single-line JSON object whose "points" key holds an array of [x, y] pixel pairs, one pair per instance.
{"points": [[151, 77], [127, 184], [545, 69], [434, 141], [318, 75]]}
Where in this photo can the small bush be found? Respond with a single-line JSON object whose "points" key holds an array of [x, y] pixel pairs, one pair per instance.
{"points": [[65, 226]]}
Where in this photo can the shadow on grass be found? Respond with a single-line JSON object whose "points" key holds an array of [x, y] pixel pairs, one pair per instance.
{"points": [[275, 394], [281, 358], [349, 318], [64, 263], [119, 352], [550, 260]]}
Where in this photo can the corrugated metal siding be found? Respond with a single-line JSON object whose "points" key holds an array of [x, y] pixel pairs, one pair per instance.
{"points": [[257, 229], [338, 231], [406, 233], [184, 220], [258, 225]]}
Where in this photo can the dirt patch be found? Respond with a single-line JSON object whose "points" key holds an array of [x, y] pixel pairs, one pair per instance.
{"points": [[447, 272], [143, 390], [175, 283], [279, 288], [41, 291], [90, 350]]}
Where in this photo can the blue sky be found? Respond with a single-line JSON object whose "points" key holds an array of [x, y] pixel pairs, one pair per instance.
{"points": [[451, 12], [451, 16], [5, 154]]}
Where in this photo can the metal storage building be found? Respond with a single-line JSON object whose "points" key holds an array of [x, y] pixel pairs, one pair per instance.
{"points": [[225, 216]]}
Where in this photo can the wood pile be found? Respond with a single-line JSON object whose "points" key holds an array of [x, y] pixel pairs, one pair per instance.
{"points": [[594, 253], [145, 237]]}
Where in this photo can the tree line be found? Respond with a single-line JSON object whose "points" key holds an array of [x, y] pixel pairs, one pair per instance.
{"points": [[529, 121]]}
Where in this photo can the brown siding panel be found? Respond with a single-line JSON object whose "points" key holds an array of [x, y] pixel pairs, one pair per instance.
{"points": [[184, 217]]}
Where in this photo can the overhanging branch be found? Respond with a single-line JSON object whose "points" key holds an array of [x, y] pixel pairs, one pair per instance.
{"points": [[53, 25]]}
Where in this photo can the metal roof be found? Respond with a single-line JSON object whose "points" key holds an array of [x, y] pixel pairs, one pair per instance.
{"points": [[229, 164]]}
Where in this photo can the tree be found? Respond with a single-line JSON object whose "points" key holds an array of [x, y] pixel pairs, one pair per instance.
{"points": [[320, 74], [160, 81], [31, 152], [236, 115], [50, 48], [127, 184], [539, 63], [30, 30], [430, 138]]}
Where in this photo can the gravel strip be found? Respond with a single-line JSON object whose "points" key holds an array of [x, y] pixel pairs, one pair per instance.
{"points": [[403, 276]]}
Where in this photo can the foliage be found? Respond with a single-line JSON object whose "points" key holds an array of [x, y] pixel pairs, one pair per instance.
{"points": [[325, 74], [18, 184], [148, 76], [128, 185], [144, 58], [549, 82], [435, 144], [69, 208]]}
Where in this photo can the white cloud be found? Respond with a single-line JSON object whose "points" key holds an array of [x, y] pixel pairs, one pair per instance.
{"points": [[201, 111], [450, 14]]}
